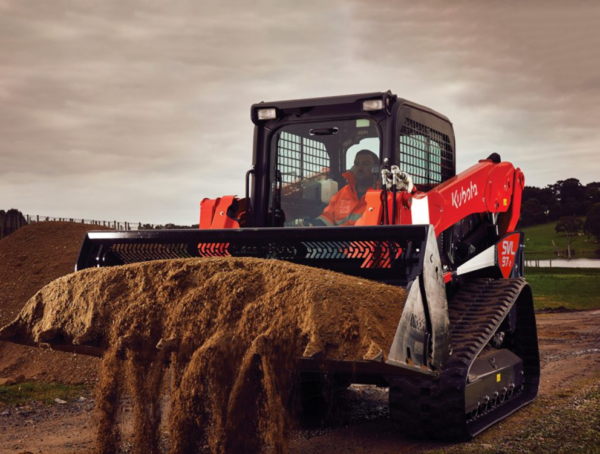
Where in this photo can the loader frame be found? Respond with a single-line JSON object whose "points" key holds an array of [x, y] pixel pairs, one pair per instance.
{"points": [[452, 245]]}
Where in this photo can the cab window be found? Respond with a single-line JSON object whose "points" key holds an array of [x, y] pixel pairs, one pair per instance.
{"points": [[308, 163], [425, 154]]}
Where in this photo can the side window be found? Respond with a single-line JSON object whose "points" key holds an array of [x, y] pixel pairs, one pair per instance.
{"points": [[425, 154], [300, 159]]}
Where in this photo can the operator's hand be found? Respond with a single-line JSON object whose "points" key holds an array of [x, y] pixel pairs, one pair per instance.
{"points": [[311, 222]]}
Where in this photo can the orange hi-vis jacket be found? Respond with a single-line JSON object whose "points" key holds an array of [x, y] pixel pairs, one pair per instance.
{"points": [[344, 207]]}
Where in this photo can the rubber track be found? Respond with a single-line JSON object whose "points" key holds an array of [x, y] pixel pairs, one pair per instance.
{"points": [[435, 408]]}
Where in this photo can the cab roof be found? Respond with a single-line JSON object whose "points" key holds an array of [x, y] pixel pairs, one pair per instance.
{"points": [[340, 101]]}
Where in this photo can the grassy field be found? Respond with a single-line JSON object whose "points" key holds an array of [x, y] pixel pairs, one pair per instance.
{"points": [[538, 243], [572, 288], [21, 393]]}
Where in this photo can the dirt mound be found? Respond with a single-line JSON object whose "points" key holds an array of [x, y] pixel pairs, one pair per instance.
{"points": [[31, 258], [231, 330]]}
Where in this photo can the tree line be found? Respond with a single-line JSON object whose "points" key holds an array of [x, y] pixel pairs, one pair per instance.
{"points": [[564, 198], [574, 207]]}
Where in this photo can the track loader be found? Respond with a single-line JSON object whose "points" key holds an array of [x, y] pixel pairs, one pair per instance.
{"points": [[465, 353]]}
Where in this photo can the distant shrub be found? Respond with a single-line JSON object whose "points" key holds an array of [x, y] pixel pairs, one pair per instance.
{"points": [[11, 221]]}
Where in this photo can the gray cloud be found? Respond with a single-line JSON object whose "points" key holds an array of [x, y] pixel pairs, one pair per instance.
{"points": [[137, 110]]}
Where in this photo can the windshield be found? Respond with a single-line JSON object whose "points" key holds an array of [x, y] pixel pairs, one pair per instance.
{"points": [[321, 171]]}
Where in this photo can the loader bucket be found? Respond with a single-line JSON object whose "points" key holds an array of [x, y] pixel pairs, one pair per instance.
{"points": [[396, 255], [391, 254]]}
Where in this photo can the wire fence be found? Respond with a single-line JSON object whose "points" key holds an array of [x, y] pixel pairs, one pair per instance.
{"points": [[12, 220], [117, 225]]}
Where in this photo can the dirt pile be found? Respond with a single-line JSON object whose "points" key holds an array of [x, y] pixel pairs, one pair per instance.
{"points": [[230, 329], [34, 256], [31, 258]]}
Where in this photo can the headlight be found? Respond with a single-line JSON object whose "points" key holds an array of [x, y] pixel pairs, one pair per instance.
{"points": [[267, 114], [373, 104]]}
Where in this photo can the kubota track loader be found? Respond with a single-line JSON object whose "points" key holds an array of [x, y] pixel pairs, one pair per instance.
{"points": [[465, 354]]}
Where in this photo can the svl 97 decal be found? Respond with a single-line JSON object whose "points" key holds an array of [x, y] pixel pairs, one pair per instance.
{"points": [[506, 250]]}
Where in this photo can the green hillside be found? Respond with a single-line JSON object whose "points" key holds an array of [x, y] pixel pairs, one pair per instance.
{"points": [[538, 243], [571, 288]]}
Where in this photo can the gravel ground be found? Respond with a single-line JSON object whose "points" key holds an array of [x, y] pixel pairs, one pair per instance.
{"points": [[570, 354]]}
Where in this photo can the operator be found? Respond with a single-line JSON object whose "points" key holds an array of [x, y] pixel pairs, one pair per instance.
{"points": [[347, 206]]}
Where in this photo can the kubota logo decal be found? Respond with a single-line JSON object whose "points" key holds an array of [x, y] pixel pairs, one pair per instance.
{"points": [[463, 195]]}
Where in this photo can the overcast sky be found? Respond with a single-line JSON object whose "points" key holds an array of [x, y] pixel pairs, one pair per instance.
{"points": [[135, 111]]}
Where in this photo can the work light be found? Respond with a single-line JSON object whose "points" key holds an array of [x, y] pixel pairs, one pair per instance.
{"points": [[373, 104], [267, 114]]}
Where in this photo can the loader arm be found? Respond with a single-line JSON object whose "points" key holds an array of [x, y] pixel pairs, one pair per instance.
{"points": [[486, 187]]}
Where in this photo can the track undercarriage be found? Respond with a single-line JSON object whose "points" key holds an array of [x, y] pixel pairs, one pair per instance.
{"points": [[493, 368]]}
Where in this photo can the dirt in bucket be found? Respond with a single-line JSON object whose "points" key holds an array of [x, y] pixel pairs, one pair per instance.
{"points": [[229, 329]]}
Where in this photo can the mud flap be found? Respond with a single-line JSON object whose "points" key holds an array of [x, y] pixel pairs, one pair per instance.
{"points": [[422, 340]]}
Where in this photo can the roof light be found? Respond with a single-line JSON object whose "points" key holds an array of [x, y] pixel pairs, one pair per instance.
{"points": [[373, 104], [267, 114]]}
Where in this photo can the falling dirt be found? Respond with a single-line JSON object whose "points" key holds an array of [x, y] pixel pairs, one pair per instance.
{"points": [[230, 329]]}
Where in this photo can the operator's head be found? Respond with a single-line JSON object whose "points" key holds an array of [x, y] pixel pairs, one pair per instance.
{"points": [[363, 166]]}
